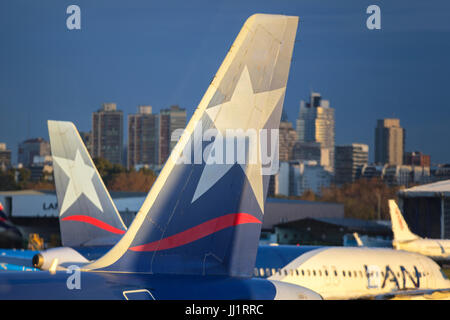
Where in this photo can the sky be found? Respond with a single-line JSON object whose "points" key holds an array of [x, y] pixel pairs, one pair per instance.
{"points": [[161, 53]]}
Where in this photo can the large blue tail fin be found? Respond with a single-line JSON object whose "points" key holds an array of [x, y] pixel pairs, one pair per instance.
{"points": [[87, 215], [203, 214]]}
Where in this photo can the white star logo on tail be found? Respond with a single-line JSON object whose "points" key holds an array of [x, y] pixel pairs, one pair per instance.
{"points": [[245, 110], [80, 175]]}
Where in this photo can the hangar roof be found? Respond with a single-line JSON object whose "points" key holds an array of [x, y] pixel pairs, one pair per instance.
{"points": [[436, 189], [349, 223]]}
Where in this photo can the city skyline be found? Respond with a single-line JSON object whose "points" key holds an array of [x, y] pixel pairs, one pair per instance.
{"points": [[292, 147], [138, 59]]}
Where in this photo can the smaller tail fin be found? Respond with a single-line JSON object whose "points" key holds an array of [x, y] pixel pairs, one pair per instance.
{"points": [[358, 239], [399, 226], [87, 214]]}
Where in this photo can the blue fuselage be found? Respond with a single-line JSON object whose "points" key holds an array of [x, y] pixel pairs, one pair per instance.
{"points": [[102, 285]]}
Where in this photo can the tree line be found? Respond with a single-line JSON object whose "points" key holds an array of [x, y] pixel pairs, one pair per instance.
{"points": [[115, 176], [362, 199]]}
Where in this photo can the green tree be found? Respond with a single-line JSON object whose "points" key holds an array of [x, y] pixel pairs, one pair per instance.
{"points": [[107, 170], [7, 180], [363, 198]]}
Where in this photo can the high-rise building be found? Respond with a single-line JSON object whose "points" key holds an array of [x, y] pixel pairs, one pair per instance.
{"points": [[389, 142], [5, 157], [169, 121], [107, 133], [372, 171], [417, 158], [315, 123], [349, 161], [163, 138], [296, 177], [143, 134], [287, 139], [305, 151], [31, 148], [403, 175], [41, 168]]}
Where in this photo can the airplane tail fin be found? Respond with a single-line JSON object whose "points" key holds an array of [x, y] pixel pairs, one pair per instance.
{"points": [[358, 239], [399, 227], [204, 212], [87, 214]]}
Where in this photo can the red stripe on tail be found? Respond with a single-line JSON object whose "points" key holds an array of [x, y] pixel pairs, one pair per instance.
{"points": [[198, 232], [95, 222]]}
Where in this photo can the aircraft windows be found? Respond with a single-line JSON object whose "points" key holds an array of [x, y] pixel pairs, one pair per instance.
{"points": [[308, 272], [285, 272], [355, 274], [320, 273], [291, 272], [268, 272], [382, 273], [279, 272], [303, 272], [360, 273], [326, 273], [314, 273], [255, 272], [273, 271], [343, 273], [335, 273], [261, 272], [297, 273], [350, 274]]}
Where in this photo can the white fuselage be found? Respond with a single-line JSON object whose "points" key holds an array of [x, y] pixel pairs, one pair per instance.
{"points": [[350, 273], [436, 249]]}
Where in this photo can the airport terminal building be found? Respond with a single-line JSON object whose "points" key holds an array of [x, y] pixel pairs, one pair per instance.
{"points": [[426, 209], [37, 211]]}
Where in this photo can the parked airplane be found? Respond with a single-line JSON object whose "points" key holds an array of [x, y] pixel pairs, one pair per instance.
{"points": [[369, 272], [404, 239], [197, 233], [89, 221], [340, 284], [352, 272]]}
